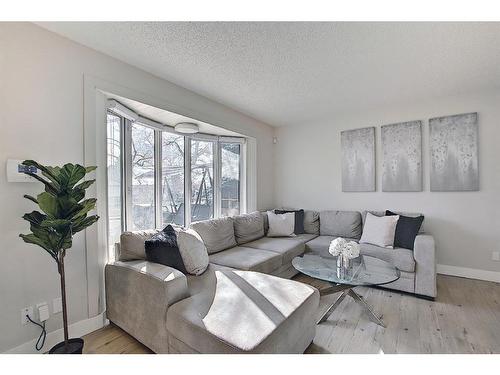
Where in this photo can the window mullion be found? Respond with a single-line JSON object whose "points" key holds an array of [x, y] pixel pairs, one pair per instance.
{"points": [[157, 179], [243, 178], [217, 161], [187, 181], [127, 178]]}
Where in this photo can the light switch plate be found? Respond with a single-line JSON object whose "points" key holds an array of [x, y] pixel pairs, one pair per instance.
{"points": [[495, 255]]}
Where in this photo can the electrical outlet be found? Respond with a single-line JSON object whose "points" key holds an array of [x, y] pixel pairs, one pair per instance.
{"points": [[56, 305], [26, 311], [495, 255]]}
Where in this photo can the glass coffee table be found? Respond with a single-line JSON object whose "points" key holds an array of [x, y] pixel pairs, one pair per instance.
{"points": [[362, 271]]}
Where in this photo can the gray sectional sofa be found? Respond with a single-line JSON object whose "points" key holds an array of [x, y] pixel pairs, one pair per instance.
{"points": [[244, 302]]}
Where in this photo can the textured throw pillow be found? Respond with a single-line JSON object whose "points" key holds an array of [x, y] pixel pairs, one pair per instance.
{"points": [[379, 230], [181, 249], [132, 244], [406, 230], [299, 219], [217, 234], [162, 248], [281, 225], [248, 227], [193, 251]]}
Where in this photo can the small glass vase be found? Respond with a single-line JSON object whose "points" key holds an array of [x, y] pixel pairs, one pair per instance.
{"points": [[343, 264]]}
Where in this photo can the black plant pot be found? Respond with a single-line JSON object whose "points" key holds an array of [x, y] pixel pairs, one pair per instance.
{"points": [[75, 346]]}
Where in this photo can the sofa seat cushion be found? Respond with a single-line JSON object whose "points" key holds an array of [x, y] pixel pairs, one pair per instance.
{"points": [[398, 257], [248, 259], [245, 312], [320, 245], [288, 247], [305, 237]]}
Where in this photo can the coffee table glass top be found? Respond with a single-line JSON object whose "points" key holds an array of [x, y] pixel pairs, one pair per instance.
{"points": [[363, 270]]}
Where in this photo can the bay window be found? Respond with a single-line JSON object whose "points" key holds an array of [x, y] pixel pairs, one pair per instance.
{"points": [[156, 176]]}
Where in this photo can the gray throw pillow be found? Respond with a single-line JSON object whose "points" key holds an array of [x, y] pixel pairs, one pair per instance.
{"points": [[132, 244], [248, 227], [281, 225], [217, 234], [193, 251]]}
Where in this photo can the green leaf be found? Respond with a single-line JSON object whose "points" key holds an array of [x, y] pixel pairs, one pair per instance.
{"points": [[84, 185], [48, 204], [49, 172], [90, 169], [60, 225], [29, 197], [49, 187], [67, 204], [86, 206], [34, 217], [84, 223], [70, 174], [32, 239]]}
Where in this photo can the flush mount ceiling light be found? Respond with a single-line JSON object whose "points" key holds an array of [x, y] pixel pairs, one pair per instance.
{"points": [[187, 128]]}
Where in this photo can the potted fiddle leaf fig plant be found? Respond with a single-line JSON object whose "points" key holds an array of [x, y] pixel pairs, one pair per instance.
{"points": [[63, 213]]}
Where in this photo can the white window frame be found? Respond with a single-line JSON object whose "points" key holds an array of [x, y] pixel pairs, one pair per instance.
{"points": [[217, 166]]}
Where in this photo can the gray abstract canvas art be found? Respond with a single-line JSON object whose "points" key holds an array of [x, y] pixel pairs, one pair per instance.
{"points": [[454, 153], [358, 159], [402, 156]]}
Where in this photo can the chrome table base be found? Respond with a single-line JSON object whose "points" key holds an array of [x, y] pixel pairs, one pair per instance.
{"points": [[347, 291]]}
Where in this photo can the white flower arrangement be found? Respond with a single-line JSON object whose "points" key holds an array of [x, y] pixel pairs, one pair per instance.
{"points": [[337, 246], [349, 249]]}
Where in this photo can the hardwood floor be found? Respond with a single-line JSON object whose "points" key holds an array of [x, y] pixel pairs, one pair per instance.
{"points": [[465, 318]]}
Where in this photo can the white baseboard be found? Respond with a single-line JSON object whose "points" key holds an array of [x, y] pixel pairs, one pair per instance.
{"points": [[77, 329], [470, 273]]}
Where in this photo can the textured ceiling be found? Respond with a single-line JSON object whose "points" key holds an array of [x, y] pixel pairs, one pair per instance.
{"points": [[294, 73]]}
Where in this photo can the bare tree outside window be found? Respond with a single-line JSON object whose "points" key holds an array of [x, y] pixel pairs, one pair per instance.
{"points": [[230, 179], [202, 172], [143, 188], [172, 186]]}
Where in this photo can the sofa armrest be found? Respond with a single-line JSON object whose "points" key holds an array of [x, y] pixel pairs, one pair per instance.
{"points": [[425, 269], [138, 294]]}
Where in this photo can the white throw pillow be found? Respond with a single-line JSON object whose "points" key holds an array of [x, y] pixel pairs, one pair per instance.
{"points": [[379, 230], [281, 225], [193, 251]]}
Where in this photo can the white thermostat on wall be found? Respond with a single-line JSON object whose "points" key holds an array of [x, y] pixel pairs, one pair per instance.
{"points": [[15, 171]]}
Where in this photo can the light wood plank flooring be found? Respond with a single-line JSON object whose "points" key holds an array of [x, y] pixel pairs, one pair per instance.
{"points": [[465, 318]]}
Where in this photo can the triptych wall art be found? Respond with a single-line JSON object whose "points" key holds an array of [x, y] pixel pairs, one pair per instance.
{"points": [[453, 147], [402, 156], [358, 159]]}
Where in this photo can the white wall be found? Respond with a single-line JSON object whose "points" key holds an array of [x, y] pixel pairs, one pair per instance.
{"points": [[466, 225], [41, 117]]}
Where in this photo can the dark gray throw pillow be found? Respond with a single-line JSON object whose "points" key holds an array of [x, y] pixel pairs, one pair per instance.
{"points": [[162, 248], [406, 230], [299, 219]]}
